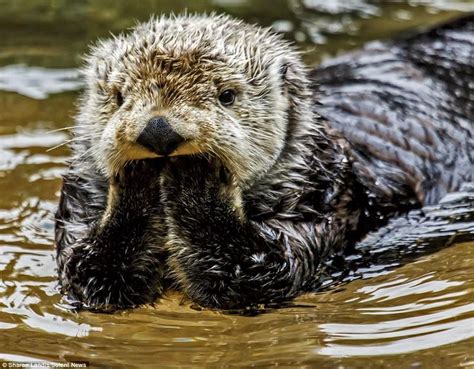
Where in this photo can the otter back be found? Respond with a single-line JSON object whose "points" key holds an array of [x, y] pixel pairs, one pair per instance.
{"points": [[407, 109]]}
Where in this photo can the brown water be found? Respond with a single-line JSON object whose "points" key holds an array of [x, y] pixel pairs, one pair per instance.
{"points": [[420, 315]]}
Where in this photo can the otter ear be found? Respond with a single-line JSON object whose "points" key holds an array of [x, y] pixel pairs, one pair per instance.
{"points": [[283, 70], [99, 65], [100, 74], [102, 70]]}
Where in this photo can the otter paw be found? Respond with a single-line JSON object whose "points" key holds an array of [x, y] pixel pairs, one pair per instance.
{"points": [[195, 176], [199, 188], [135, 189], [139, 174], [95, 280]]}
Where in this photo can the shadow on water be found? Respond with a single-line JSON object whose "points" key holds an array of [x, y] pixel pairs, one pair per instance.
{"points": [[408, 304]]}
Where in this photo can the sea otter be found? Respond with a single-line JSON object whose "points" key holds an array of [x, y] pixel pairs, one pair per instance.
{"points": [[209, 158]]}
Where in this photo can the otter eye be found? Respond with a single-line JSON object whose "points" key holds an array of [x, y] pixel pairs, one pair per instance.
{"points": [[227, 97], [119, 98]]}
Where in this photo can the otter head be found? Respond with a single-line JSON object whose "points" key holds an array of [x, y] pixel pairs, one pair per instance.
{"points": [[192, 84]]}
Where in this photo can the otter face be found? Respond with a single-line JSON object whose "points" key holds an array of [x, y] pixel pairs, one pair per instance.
{"points": [[188, 85]]}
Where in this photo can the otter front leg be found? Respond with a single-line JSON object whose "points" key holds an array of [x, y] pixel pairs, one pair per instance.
{"points": [[221, 259], [111, 256]]}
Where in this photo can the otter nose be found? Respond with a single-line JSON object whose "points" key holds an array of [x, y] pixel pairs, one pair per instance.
{"points": [[159, 137]]}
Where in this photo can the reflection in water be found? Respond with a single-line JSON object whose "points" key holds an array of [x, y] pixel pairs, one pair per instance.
{"points": [[422, 312], [439, 335], [408, 314], [36, 82], [342, 6]]}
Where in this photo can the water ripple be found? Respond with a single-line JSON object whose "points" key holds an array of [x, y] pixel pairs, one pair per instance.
{"points": [[37, 82]]}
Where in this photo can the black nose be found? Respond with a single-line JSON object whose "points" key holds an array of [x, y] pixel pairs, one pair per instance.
{"points": [[159, 137]]}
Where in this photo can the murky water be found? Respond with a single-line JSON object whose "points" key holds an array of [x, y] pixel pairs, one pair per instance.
{"points": [[420, 315]]}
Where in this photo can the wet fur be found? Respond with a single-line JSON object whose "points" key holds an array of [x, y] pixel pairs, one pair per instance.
{"points": [[295, 175]]}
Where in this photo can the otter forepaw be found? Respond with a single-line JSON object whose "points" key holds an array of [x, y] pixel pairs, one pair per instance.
{"points": [[96, 280], [138, 175], [199, 178]]}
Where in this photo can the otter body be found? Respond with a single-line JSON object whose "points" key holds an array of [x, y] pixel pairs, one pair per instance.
{"points": [[208, 158]]}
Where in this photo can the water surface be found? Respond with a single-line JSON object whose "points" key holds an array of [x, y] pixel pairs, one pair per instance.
{"points": [[418, 315]]}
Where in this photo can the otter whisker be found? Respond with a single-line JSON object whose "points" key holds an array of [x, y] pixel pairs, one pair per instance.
{"points": [[82, 156], [69, 141], [71, 128]]}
